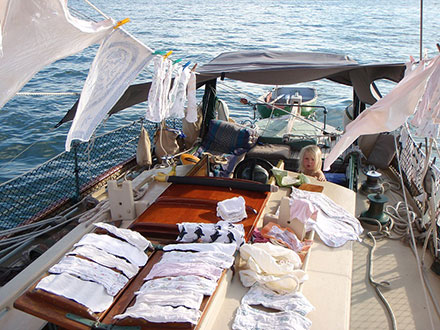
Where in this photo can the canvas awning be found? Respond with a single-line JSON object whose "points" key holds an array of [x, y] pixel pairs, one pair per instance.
{"points": [[278, 68]]}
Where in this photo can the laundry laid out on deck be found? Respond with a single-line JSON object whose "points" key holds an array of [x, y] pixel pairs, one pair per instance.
{"points": [[220, 232], [90, 267], [334, 225], [175, 286]]}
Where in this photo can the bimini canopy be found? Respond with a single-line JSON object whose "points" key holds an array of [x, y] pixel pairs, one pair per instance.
{"points": [[278, 68]]}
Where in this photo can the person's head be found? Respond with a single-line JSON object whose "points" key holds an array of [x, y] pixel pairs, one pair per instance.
{"points": [[310, 159]]}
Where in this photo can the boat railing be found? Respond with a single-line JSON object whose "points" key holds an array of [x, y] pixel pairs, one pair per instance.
{"points": [[70, 176], [279, 107]]}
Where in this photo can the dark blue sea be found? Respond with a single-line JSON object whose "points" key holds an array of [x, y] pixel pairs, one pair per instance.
{"points": [[369, 31]]}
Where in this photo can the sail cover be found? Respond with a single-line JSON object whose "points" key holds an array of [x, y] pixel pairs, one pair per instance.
{"points": [[36, 33]]}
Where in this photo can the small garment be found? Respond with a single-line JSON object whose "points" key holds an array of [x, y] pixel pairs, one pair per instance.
{"points": [[292, 302], [188, 282], [228, 249], [153, 111], [232, 209], [105, 259], [191, 115], [221, 232], [248, 318], [116, 247], [217, 259], [284, 236], [270, 258], [166, 269], [282, 284], [334, 225], [112, 281], [274, 266], [170, 297], [130, 236], [178, 93], [73, 288], [161, 314]]}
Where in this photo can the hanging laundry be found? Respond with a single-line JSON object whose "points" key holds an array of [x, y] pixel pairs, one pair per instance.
{"points": [[427, 116], [191, 115], [119, 60], [4, 4], [178, 93], [47, 33], [390, 112], [155, 108]]}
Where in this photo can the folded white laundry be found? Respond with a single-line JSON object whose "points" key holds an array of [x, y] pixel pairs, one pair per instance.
{"points": [[232, 209]]}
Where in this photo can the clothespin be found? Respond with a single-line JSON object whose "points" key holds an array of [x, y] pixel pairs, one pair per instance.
{"points": [[159, 52], [194, 68], [125, 20], [167, 54], [177, 61], [186, 64], [438, 47]]}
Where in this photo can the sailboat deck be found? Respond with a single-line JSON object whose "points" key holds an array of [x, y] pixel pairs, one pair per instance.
{"points": [[393, 261]]}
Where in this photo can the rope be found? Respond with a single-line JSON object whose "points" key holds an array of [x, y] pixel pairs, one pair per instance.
{"points": [[46, 93], [96, 8], [413, 241], [378, 285]]}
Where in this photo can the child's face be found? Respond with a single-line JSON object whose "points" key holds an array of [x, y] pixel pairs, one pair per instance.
{"points": [[309, 162]]}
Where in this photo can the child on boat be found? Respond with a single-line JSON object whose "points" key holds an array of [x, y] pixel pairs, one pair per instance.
{"points": [[310, 162]]}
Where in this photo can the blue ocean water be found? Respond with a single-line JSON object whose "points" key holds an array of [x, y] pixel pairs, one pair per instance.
{"points": [[369, 31]]}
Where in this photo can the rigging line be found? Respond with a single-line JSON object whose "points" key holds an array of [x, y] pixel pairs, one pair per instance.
{"points": [[18, 155], [46, 93], [413, 241], [96, 8], [278, 108]]}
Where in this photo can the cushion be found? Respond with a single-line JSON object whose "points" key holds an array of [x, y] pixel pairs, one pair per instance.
{"points": [[227, 137]]}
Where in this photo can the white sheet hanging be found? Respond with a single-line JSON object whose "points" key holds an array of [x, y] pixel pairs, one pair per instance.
{"points": [[191, 115], [178, 95], [390, 112], [155, 111], [4, 4], [119, 60], [37, 33], [427, 116]]}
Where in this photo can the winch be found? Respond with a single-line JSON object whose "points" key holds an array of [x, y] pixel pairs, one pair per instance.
{"points": [[375, 211], [372, 184]]}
